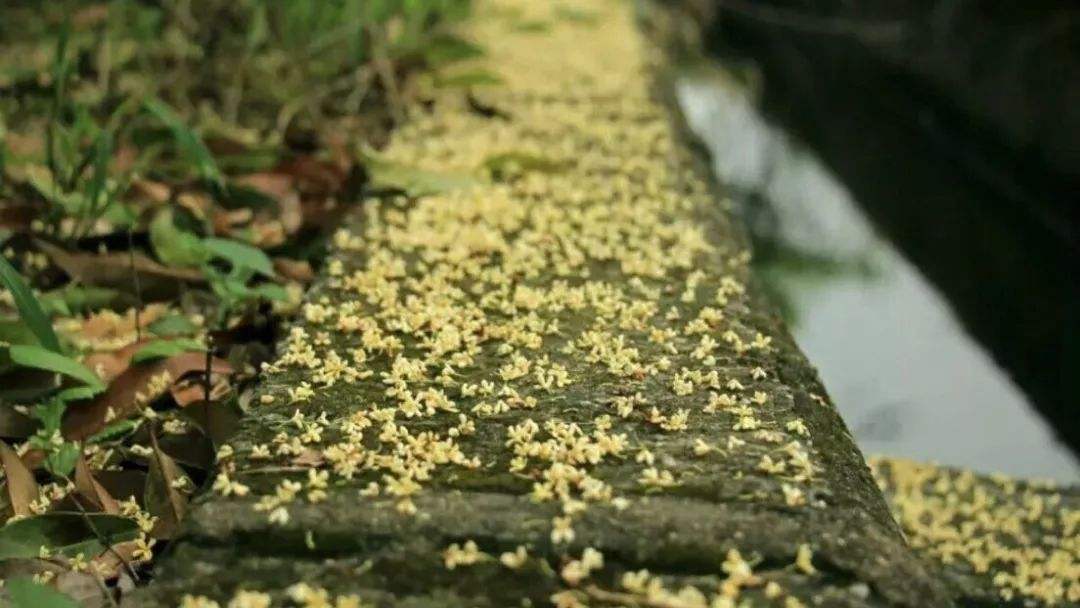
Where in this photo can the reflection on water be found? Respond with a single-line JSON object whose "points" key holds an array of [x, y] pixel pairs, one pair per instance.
{"points": [[907, 378]]}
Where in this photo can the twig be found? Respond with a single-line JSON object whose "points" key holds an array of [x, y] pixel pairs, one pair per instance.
{"points": [[209, 362], [103, 588], [101, 537]]}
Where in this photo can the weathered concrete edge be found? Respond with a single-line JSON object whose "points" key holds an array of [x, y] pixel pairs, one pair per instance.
{"points": [[244, 532]]}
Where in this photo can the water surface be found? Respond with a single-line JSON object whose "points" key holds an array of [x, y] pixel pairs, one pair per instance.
{"points": [[896, 360]]}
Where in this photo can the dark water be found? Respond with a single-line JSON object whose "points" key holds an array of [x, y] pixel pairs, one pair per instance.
{"points": [[894, 355]]}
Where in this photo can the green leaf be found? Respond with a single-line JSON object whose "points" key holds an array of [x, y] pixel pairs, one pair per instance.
{"points": [[240, 255], [41, 179], [14, 331], [413, 181], [160, 349], [29, 308], [39, 358], [77, 393], [188, 141], [174, 246], [61, 459], [50, 414], [25, 593], [172, 325], [271, 291], [74, 299], [102, 155], [116, 430], [64, 533]]}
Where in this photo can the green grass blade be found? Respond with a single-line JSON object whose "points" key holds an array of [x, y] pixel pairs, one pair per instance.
{"points": [[29, 308], [188, 141], [41, 358]]}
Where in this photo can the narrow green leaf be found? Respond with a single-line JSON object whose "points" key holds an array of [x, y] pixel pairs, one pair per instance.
{"points": [[29, 308], [15, 331], [77, 393], [412, 180], [63, 533], [102, 156], [25, 593], [188, 141], [240, 255], [116, 430], [160, 349], [72, 299], [40, 358]]}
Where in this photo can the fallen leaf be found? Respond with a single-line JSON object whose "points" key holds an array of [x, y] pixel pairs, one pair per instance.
{"points": [[109, 365], [14, 425], [163, 498], [63, 533], [17, 217], [218, 420], [192, 450], [21, 487], [296, 270], [274, 185], [93, 491], [108, 326], [116, 560], [132, 390], [123, 484], [114, 270], [144, 189], [226, 220], [281, 187], [193, 389], [314, 177], [309, 458]]}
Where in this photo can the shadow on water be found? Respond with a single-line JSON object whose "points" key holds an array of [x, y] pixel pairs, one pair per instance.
{"points": [[884, 260]]}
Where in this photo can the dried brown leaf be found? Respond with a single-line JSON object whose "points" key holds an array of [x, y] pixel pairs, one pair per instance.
{"points": [[296, 270], [21, 487], [111, 563], [132, 390], [93, 491], [148, 190], [164, 499], [193, 389], [114, 270], [109, 365]]}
